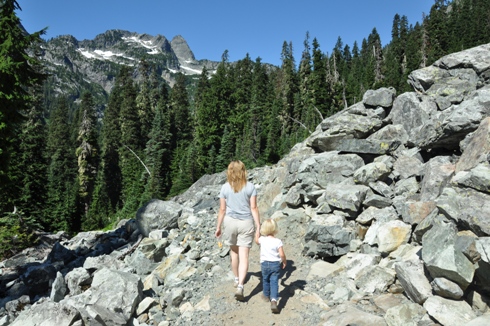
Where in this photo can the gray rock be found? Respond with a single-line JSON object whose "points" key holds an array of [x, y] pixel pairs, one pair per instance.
{"points": [[47, 313], [327, 237], [449, 312], [477, 178], [372, 172], [466, 207], [347, 314], [381, 97], [394, 132], [375, 279], [413, 280], [477, 148], [441, 257], [406, 314], [58, 289], [346, 197], [437, 174], [76, 279], [158, 214], [446, 289], [112, 298]]}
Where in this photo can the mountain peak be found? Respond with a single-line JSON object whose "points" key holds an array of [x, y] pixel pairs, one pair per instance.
{"points": [[182, 49]]}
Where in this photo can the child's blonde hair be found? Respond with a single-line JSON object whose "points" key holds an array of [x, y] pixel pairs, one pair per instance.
{"points": [[269, 227]]}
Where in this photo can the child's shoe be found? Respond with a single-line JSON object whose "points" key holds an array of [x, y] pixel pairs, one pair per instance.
{"points": [[274, 307]]}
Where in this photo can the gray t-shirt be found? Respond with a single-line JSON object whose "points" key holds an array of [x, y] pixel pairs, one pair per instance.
{"points": [[238, 204]]}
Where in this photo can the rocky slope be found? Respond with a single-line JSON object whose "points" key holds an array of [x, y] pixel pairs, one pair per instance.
{"points": [[384, 212]]}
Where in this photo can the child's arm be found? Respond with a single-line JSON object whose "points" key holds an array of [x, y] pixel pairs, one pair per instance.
{"points": [[283, 257]]}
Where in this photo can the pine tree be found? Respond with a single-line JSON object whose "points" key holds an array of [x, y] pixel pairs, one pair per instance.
{"points": [[308, 115], [437, 31], [61, 201], [287, 90], [144, 101], [180, 111], [226, 152], [182, 145], [107, 197], [319, 86], [158, 153], [31, 163], [131, 149], [18, 72], [208, 122], [87, 151]]}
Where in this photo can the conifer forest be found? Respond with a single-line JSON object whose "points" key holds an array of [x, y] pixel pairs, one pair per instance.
{"points": [[67, 166]]}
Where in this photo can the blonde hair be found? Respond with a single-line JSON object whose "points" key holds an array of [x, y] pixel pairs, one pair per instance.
{"points": [[269, 227], [236, 175]]}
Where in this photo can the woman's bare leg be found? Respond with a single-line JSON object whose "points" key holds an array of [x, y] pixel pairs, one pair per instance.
{"points": [[234, 260], [242, 264]]}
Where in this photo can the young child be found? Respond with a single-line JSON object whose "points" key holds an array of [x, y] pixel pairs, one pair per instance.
{"points": [[272, 258]]}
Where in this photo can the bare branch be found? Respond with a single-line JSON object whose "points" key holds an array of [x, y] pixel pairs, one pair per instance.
{"points": [[147, 170], [300, 123], [319, 113]]}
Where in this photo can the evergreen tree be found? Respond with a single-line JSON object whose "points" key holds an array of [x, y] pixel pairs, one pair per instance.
{"points": [[107, 197], [310, 115], [158, 153], [336, 78], [207, 122], [131, 149], [319, 86], [393, 54], [18, 72], [144, 101], [221, 94], [31, 163], [61, 201], [182, 145], [354, 78], [226, 152], [87, 151], [239, 117], [437, 31], [288, 87], [180, 111]]}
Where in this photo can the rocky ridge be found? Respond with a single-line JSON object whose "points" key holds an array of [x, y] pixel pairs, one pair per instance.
{"points": [[383, 211], [76, 64]]}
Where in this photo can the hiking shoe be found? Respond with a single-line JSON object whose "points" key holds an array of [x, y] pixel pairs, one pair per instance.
{"points": [[264, 298], [274, 307], [239, 293], [235, 282]]}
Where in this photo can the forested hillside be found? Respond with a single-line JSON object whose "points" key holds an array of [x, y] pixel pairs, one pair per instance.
{"points": [[64, 166]]}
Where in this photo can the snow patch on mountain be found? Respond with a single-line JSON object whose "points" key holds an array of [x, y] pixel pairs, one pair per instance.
{"points": [[145, 43], [102, 55]]}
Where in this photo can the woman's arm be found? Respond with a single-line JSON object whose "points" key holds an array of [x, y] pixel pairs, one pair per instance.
{"points": [[255, 214], [221, 216]]}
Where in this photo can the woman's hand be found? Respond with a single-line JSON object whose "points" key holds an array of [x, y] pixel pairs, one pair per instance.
{"points": [[217, 234]]}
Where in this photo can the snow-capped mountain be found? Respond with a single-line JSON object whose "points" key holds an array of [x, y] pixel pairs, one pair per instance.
{"points": [[92, 65]]}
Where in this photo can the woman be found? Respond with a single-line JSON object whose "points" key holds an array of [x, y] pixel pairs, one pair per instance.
{"points": [[239, 215]]}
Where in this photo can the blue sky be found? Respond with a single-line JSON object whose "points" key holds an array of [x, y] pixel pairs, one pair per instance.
{"points": [[210, 27]]}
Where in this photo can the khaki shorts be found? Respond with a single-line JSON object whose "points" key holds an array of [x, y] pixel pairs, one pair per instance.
{"points": [[238, 232]]}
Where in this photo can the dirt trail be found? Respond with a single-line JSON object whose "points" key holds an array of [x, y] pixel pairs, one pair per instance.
{"points": [[253, 310]]}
